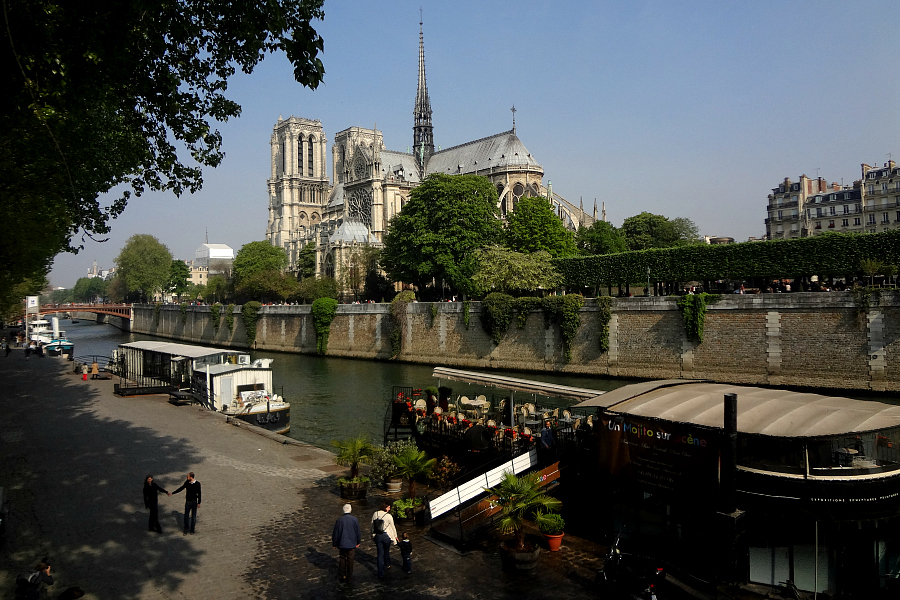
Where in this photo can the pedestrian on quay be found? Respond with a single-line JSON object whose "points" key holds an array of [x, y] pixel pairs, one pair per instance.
{"points": [[95, 370], [384, 534], [30, 586], [191, 502], [545, 449], [151, 501], [346, 537], [406, 553], [387, 523]]}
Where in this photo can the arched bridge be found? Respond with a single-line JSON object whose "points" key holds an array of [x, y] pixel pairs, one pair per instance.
{"points": [[118, 310]]}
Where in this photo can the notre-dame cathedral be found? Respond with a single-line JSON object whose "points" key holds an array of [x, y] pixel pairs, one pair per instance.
{"points": [[371, 184]]}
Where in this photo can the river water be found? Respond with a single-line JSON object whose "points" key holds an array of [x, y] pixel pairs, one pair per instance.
{"points": [[334, 398]]}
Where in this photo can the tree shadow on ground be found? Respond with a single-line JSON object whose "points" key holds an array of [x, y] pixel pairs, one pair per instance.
{"points": [[73, 480]]}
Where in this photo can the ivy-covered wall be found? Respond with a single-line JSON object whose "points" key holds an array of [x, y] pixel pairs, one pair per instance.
{"points": [[802, 339]]}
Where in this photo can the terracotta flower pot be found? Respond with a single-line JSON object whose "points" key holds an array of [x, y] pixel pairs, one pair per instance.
{"points": [[554, 541]]}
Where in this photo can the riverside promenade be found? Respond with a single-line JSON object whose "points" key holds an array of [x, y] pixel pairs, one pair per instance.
{"points": [[73, 457]]}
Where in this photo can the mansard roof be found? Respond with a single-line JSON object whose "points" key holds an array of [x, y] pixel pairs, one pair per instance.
{"points": [[502, 150], [392, 161], [352, 231]]}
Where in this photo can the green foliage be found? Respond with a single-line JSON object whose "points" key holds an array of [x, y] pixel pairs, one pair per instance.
{"points": [[434, 313], [693, 311], [444, 472], [346, 480], [600, 238], [521, 498], [229, 317], [398, 320], [183, 313], [412, 463], [534, 227], [267, 285], [360, 263], [550, 523], [144, 264], [604, 315], [647, 230], [496, 315], [258, 257], [863, 298], [353, 452], [511, 272], [436, 233], [523, 306], [833, 254], [382, 466], [870, 267], [216, 288], [323, 312], [313, 288], [402, 506], [215, 315], [99, 99], [179, 274], [11, 298], [88, 289], [157, 307], [250, 315], [378, 287], [466, 313], [563, 310], [306, 261]]}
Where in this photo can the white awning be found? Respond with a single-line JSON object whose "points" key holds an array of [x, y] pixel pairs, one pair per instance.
{"points": [[178, 349], [514, 384]]}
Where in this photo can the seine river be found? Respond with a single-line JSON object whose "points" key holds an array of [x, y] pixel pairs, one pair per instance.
{"points": [[333, 398]]}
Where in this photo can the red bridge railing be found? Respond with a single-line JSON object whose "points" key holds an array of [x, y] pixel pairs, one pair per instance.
{"points": [[119, 310]]}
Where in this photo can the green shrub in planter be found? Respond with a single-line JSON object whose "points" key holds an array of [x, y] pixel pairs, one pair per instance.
{"points": [[550, 523], [400, 507]]}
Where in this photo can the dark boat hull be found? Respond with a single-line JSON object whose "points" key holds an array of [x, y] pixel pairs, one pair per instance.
{"points": [[276, 421]]}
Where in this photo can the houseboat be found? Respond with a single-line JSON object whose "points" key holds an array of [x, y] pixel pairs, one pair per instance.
{"points": [[221, 379]]}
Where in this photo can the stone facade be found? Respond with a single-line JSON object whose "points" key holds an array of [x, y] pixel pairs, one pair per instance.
{"points": [[811, 207], [372, 184], [803, 339]]}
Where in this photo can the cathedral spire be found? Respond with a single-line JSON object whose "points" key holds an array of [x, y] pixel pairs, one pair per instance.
{"points": [[423, 136]]}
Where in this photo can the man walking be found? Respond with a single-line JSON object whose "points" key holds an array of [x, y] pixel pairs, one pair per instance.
{"points": [[191, 502], [346, 537]]}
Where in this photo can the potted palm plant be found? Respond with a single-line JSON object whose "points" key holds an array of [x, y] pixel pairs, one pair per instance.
{"points": [[412, 463], [551, 525], [383, 468], [352, 453], [520, 498]]}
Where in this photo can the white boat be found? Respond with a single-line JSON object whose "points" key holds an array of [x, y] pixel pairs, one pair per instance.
{"points": [[49, 335], [220, 379]]}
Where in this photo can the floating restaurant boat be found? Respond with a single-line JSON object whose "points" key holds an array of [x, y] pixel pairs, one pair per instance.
{"points": [[49, 335], [220, 379]]}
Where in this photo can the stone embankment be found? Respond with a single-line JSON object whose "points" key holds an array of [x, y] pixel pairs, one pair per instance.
{"points": [[821, 340]]}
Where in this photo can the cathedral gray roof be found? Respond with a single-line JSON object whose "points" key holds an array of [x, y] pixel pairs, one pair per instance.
{"points": [[352, 231], [392, 161], [337, 195], [501, 150]]}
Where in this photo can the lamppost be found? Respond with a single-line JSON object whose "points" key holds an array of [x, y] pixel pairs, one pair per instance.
{"points": [[647, 291]]}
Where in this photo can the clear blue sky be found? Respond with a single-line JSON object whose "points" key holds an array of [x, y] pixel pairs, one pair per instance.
{"points": [[686, 109]]}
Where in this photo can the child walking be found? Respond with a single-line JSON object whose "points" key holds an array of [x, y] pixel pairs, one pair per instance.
{"points": [[406, 553]]}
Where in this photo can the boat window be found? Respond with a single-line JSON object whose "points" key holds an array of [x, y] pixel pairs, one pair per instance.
{"points": [[865, 452], [780, 455]]}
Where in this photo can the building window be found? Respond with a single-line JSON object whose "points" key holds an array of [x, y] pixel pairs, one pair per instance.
{"points": [[779, 214], [818, 212], [845, 223], [309, 158], [833, 210], [300, 155], [871, 219], [884, 218], [831, 224], [846, 209], [859, 208], [871, 189], [883, 187], [898, 217], [818, 225], [856, 221]]}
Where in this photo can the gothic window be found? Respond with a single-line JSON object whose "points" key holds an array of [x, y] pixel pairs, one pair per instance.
{"points": [[500, 190], [360, 207], [314, 218], [329, 266], [518, 190], [309, 157], [300, 155], [283, 157]]}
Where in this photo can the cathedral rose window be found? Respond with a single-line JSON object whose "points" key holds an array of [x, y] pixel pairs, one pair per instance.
{"points": [[360, 207]]}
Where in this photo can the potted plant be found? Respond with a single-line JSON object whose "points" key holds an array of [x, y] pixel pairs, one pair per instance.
{"points": [[352, 453], [551, 525], [405, 508], [412, 463], [444, 472], [382, 467], [520, 498]]}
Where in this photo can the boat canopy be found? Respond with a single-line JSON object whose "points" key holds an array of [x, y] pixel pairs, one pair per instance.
{"points": [[771, 412], [514, 384], [177, 349]]}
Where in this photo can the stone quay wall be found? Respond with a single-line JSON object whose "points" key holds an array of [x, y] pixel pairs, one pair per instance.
{"points": [[819, 340]]}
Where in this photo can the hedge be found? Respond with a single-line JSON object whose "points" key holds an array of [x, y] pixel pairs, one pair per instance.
{"points": [[831, 254]]}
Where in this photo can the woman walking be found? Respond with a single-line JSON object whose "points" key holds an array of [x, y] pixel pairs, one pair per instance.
{"points": [[151, 501]]}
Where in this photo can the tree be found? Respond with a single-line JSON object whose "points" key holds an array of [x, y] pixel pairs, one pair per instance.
{"points": [[534, 226], [144, 265], [306, 261], [511, 272], [216, 288], [267, 285], [686, 232], [11, 304], [179, 275], [600, 238], [313, 288], [434, 236], [116, 290], [361, 262], [412, 463], [647, 230], [80, 290], [97, 95], [257, 257]]}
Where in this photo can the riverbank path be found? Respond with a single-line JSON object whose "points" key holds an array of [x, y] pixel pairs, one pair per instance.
{"points": [[73, 457]]}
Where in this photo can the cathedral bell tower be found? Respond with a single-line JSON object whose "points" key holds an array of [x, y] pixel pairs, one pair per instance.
{"points": [[423, 136]]}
